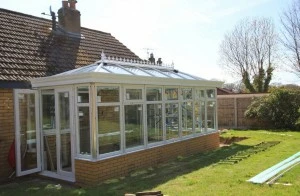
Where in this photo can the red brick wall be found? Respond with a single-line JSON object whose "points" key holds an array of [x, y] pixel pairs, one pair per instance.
{"points": [[89, 173], [7, 133]]}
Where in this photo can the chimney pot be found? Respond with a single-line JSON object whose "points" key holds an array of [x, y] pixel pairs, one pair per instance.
{"points": [[73, 4], [69, 17], [65, 4]]}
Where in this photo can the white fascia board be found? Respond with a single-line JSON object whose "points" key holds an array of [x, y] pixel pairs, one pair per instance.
{"points": [[118, 79]]}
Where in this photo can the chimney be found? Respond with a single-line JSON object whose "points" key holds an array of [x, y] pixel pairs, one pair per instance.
{"points": [[69, 17]]}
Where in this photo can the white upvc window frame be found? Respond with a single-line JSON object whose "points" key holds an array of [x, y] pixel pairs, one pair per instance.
{"points": [[209, 99], [162, 117], [166, 101], [134, 102], [77, 105], [119, 104], [38, 168], [192, 100]]}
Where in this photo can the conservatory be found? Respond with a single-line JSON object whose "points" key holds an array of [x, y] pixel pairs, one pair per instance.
{"points": [[106, 119]]}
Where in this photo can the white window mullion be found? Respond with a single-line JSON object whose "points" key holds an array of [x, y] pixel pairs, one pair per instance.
{"points": [[93, 114]]}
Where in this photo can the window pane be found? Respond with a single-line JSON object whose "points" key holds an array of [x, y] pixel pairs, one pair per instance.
{"points": [[172, 120], [154, 123], [84, 130], [134, 133], [50, 152], [202, 93], [153, 94], [171, 93], [187, 118], [197, 94], [65, 152], [48, 109], [211, 93], [187, 93], [109, 129], [199, 117], [134, 94], [28, 132], [83, 94], [64, 109], [107, 94], [211, 115]]}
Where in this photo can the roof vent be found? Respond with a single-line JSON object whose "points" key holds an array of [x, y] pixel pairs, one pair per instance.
{"points": [[69, 17]]}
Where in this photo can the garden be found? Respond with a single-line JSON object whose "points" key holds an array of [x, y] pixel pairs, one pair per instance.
{"points": [[207, 173]]}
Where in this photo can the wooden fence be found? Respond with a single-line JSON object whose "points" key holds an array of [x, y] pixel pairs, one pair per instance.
{"points": [[231, 109]]}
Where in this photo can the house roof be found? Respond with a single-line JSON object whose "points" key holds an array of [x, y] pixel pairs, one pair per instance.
{"points": [[29, 49]]}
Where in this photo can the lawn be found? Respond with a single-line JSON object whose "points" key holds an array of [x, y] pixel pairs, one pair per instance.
{"points": [[201, 174]]}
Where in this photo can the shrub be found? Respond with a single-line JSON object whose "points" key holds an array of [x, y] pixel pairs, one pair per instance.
{"points": [[281, 107]]}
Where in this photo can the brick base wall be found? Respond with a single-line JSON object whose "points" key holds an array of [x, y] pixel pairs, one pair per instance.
{"points": [[7, 133], [91, 173]]}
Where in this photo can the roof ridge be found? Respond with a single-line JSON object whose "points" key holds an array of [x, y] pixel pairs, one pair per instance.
{"points": [[23, 14], [45, 19]]}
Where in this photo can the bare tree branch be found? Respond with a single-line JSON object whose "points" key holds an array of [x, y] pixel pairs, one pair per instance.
{"points": [[290, 21], [248, 51]]}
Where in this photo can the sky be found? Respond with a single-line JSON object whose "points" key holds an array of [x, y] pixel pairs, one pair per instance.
{"points": [[187, 33]]}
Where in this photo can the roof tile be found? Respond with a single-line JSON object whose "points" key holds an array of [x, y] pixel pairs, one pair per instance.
{"points": [[28, 48]]}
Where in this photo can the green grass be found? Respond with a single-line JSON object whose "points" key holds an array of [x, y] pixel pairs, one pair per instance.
{"points": [[195, 175]]}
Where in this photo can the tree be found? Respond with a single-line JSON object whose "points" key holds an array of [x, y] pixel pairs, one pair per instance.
{"points": [[249, 52], [290, 20], [281, 108]]}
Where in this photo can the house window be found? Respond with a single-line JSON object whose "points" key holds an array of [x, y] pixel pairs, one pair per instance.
{"points": [[154, 123], [211, 115], [64, 110], [134, 131], [211, 94], [83, 94], [171, 93], [199, 111], [109, 132], [108, 113], [154, 94], [172, 121], [186, 93], [84, 128], [48, 110], [134, 94], [187, 118], [107, 94]]}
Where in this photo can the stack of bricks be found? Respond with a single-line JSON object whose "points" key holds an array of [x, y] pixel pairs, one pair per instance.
{"points": [[7, 133], [91, 173]]}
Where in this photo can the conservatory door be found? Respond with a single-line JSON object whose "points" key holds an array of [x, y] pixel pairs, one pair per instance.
{"points": [[27, 142], [57, 134]]}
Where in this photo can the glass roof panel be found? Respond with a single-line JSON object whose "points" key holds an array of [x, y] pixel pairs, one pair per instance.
{"points": [[156, 73], [117, 70], [172, 74], [101, 69], [137, 71], [186, 76]]}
